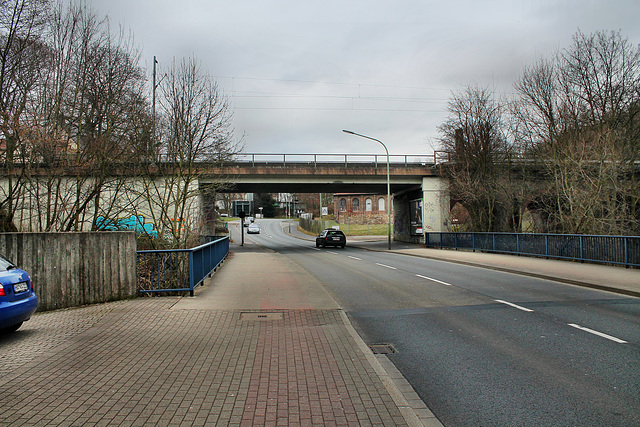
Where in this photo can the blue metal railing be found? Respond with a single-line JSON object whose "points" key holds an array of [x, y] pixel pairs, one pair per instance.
{"points": [[179, 270], [622, 250]]}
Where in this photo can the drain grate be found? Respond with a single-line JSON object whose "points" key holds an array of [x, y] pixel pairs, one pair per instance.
{"points": [[261, 316], [382, 349]]}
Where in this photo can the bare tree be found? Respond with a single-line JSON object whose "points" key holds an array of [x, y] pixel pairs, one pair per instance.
{"points": [[480, 175], [20, 54], [194, 128], [578, 114], [86, 118]]}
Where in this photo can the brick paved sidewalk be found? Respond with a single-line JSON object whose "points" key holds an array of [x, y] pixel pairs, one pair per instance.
{"points": [[143, 363]]}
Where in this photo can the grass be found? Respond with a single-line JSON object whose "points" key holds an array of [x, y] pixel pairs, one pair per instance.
{"points": [[360, 229], [347, 229]]}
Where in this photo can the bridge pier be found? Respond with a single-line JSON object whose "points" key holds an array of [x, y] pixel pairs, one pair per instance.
{"points": [[421, 210], [435, 204]]}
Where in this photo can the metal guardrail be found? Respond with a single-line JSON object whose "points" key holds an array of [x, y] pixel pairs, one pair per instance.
{"points": [[621, 250], [346, 159], [179, 270]]}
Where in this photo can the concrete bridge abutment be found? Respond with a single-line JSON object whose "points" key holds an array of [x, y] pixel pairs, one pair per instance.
{"points": [[435, 204], [421, 210]]}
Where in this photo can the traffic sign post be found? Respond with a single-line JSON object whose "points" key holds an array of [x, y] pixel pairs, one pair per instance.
{"points": [[242, 215]]}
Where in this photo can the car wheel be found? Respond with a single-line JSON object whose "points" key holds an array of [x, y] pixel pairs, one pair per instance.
{"points": [[317, 245], [342, 246]]}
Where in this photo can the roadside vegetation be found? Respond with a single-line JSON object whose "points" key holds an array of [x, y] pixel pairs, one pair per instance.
{"points": [[359, 229], [562, 154], [75, 100], [313, 227], [80, 118]]}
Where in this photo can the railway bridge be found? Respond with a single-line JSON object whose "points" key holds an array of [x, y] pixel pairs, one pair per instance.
{"points": [[418, 192], [413, 180]]}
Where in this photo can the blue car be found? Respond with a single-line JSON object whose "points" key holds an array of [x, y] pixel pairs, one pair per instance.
{"points": [[18, 300]]}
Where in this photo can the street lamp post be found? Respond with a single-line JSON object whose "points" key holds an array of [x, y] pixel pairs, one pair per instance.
{"points": [[388, 183]]}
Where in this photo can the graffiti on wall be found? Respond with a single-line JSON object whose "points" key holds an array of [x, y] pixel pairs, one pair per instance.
{"points": [[431, 216], [137, 223]]}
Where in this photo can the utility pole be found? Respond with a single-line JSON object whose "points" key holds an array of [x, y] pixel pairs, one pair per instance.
{"points": [[320, 207], [153, 102], [242, 215]]}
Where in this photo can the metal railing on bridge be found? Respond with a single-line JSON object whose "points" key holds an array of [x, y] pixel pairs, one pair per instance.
{"points": [[179, 270], [346, 159], [622, 250]]}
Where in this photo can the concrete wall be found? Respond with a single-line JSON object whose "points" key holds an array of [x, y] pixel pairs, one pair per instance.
{"points": [[402, 219], [72, 269], [123, 198], [435, 210], [435, 206]]}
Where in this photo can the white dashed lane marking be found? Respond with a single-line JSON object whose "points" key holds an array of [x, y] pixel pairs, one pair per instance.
{"points": [[433, 280], [519, 307], [386, 266], [600, 334]]}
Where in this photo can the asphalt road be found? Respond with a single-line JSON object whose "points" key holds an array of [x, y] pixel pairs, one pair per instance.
{"points": [[483, 347]]}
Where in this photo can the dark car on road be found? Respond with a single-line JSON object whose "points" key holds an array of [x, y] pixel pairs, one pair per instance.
{"points": [[18, 300], [331, 237]]}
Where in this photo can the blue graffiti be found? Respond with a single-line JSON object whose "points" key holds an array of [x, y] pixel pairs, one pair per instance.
{"points": [[136, 223]]}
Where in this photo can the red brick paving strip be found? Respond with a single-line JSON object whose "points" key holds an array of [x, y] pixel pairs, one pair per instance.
{"points": [[141, 363], [298, 376]]}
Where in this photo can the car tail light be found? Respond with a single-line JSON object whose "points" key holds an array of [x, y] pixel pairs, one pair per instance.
{"points": [[2, 293], [31, 281]]}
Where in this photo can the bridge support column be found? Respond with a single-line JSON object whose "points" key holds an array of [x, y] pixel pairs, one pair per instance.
{"points": [[435, 205]]}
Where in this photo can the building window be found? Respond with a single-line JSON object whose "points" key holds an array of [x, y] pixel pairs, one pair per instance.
{"points": [[368, 205], [355, 204], [381, 204], [343, 204]]}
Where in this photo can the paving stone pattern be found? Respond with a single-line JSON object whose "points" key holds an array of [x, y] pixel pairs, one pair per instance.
{"points": [[46, 331], [140, 363]]}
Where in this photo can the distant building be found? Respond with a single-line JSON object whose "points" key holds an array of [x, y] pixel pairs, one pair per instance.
{"points": [[246, 205], [360, 208]]}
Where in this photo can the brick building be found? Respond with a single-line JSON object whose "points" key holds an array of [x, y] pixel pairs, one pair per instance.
{"points": [[360, 208]]}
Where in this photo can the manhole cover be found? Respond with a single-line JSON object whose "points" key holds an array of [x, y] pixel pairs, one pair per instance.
{"points": [[382, 348], [261, 316]]}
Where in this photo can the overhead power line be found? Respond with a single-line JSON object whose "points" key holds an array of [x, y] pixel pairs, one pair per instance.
{"points": [[334, 83], [397, 110]]}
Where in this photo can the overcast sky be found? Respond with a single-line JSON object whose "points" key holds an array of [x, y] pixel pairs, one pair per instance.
{"points": [[298, 72]]}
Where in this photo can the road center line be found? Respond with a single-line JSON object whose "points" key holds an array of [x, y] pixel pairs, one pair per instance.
{"points": [[600, 334], [334, 253], [514, 305], [352, 257], [434, 280], [386, 266]]}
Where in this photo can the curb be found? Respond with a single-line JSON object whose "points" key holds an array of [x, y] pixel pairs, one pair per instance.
{"points": [[519, 272], [567, 281], [413, 409]]}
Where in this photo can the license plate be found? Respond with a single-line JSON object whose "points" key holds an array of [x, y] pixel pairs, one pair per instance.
{"points": [[336, 238], [20, 287]]}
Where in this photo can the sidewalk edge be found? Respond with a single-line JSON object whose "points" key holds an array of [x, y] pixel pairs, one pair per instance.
{"points": [[613, 289], [413, 409]]}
